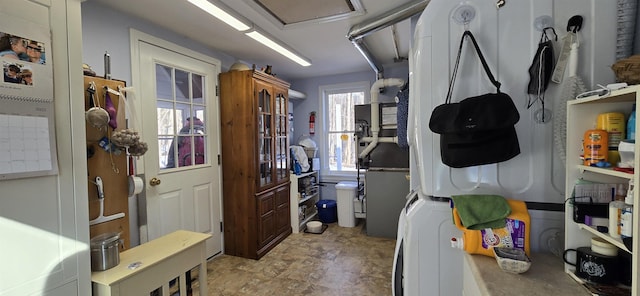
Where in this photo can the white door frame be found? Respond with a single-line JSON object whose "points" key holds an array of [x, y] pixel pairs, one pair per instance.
{"points": [[135, 38]]}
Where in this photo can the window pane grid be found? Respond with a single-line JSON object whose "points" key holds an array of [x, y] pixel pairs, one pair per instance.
{"points": [[180, 116], [339, 115]]}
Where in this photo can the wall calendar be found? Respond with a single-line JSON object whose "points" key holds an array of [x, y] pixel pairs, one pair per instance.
{"points": [[27, 126]]}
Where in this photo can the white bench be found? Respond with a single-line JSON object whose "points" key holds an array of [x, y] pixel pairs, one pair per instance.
{"points": [[159, 262]]}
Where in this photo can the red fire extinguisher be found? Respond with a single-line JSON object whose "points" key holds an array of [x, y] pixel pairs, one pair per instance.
{"points": [[312, 123]]}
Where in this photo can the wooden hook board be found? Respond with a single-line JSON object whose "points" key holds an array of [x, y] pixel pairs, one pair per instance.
{"points": [[110, 167]]}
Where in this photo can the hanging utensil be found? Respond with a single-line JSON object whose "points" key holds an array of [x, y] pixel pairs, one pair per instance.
{"points": [[573, 26], [96, 115], [563, 57], [572, 86], [101, 218], [107, 65]]}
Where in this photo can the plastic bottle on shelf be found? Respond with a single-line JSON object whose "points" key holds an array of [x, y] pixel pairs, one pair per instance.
{"points": [[626, 215], [297, 168], [621, 192], [631, 124], [615, 211], [614, 124], [595, 146]]}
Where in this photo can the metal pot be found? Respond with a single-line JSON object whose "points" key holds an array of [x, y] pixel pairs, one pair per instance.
{"points": [[105, 253]]}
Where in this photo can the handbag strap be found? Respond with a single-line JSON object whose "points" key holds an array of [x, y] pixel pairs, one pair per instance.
{"points": [[496, 83]]}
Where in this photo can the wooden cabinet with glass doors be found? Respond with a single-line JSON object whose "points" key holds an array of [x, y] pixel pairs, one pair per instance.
{"points": [[255, 162]]}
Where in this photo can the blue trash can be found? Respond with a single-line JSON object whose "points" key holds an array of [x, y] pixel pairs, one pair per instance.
{"points": [[327, 210]]}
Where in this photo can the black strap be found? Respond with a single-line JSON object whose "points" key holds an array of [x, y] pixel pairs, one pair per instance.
{"points": [[482, 60], [91, 90]]}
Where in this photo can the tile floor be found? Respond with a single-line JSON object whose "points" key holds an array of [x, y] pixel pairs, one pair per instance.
{"points": [[341, 261]]}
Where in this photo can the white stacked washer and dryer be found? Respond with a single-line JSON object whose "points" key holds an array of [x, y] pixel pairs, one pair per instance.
{"points": [[508, 36]]}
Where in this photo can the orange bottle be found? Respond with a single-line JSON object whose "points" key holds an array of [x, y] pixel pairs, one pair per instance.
{"points": [[514, 235], [595, 146]]}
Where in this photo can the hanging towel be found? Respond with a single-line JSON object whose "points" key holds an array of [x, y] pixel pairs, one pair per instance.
{"points": [[481, 211], [402, 98], [111, 109]]}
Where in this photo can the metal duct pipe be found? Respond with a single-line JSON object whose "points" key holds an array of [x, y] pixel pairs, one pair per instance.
{"points": [[359, 31], [392, 17], [364, 50]]}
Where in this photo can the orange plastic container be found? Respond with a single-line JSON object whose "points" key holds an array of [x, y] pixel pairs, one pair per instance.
{"points": [[595, 146], [514, 235]]}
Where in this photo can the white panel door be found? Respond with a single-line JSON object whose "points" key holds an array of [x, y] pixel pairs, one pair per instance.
{"points": [[180, 123]]}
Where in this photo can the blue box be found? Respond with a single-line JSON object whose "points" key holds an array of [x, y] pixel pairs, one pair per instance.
{"points": [[327, 210]]}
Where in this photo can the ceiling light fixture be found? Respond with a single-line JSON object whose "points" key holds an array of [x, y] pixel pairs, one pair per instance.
{"points": [[220, 14], [262, 38], [241, 26]]}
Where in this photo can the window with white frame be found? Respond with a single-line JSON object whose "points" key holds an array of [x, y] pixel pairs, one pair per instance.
{"points": [[338, 146]]}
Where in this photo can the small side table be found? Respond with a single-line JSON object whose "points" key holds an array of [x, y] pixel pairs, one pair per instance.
{"points": [[154, 264]]}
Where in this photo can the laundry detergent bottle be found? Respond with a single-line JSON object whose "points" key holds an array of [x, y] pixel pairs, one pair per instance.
{"points": [[514, 235]]}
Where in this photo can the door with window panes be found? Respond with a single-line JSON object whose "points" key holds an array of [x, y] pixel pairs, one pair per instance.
{"points": [[180, 125]]}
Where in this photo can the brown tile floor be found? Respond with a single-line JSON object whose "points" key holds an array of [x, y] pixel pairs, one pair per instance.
{"points": [[341, 261]]}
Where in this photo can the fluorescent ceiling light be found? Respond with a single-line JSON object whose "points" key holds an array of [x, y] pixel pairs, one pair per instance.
{"points": [[279, 48], [220, 14]]}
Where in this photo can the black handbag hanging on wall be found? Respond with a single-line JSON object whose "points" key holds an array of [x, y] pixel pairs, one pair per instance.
{"points": [[477, 130]]}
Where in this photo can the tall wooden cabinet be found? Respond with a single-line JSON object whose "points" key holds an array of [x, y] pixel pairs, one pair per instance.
{"points": [[581, 116], [255, 162]]}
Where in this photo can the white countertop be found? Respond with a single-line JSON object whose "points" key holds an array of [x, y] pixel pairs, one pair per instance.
{"points": [[546, 276]]}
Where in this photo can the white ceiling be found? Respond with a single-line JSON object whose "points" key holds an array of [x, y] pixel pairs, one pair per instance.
{"points": [[325, 44], [298, 11]]}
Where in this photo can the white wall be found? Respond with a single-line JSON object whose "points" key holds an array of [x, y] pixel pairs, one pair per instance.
{"points": [[44, 220], [104, 29]]}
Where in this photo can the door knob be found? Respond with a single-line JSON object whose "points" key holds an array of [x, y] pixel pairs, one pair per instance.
{"points": [[154, 181]]}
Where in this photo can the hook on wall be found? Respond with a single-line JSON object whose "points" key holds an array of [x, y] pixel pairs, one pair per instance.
{"points": [[543, 22], [464, 14], [575, 23]]}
